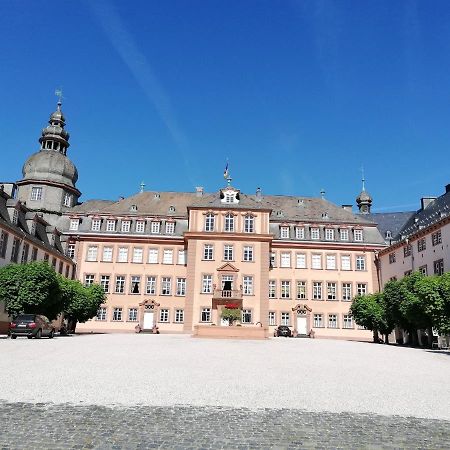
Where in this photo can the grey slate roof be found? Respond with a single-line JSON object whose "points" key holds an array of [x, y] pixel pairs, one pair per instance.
{"points": [[392, 222], [435, 211]]}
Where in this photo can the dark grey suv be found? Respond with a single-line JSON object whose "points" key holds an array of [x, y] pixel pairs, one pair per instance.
{"points": [[31, 325]]}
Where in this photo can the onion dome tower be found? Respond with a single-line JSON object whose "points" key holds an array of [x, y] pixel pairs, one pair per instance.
{"points": [[364, 200], [49, 177]]}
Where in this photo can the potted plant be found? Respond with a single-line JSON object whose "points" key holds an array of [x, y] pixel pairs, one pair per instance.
{"points": [[231, 312]]}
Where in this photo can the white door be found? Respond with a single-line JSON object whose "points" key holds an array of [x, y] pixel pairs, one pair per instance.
{"points": [[148, 320], [301, 325]]}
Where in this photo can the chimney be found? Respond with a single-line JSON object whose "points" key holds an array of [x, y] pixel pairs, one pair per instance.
{"points": [[199, 191], [425, 201], [258, 194], [347, 207], [447, 188]]}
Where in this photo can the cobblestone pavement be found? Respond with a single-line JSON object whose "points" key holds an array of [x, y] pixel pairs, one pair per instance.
{"points": [[187, 427]]}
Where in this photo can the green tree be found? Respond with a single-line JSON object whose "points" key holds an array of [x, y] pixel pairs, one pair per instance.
{"points": [[369, 311], [30, 288], [231, 314], [80, 303]]}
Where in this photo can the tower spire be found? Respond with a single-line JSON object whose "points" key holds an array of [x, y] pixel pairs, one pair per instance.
{"points": [[364, 200], [363, 179]]}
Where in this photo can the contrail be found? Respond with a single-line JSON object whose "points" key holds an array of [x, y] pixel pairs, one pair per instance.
{"points": [[137, 63]]}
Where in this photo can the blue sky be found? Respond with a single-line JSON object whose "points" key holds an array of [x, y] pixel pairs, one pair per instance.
{"points": [[297, 94]]}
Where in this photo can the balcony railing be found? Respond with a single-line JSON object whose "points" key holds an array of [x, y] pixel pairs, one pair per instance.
{"points": [[228, 294]]}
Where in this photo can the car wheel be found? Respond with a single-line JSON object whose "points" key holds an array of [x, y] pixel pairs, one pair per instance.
{"points": [[38, 334], [52, 333], [13, 336]]}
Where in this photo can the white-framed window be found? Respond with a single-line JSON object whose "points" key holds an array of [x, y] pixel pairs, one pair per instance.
{"points": [[74, 224], [299, 233], [205, 315], [284, 232], [181, 257], [317, 290], [247, 285], [209, 222], [166, 286], [285, 289], [153, 256], [168, 256], [272, 288], [285, 259], [170, 227], [179, 315], [155, 227], [140, 226], [117, 314], [285, 318], [101, 314], [207, 284], [273, 259], [125, 226], [318, 321], [331, 291], [346, 262], [164, 315], [36, 193], [360, 263], [332, 321], [89, 279], [181, 286], [246, 316], [96, 224], [249, 224], [150, 286], [132, 314], [228, 253], [347, 292], [229, 223], [347, 321], [331, 262], [315, 233], [329, 234], [361, 288], [208, 252], [301, 290], [343, 234], [120, 284], [248, 253], [316, 261], [300, 261], [67, 201], [138, 253], [70, 251], [272, 318], [104, 282], [135, 287], [123, 254], [107, 254], [92, 253], [110, 225], [358, 235]]}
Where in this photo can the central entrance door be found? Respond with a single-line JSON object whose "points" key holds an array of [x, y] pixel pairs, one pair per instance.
{"points": [[148, 320], [301, 325]]}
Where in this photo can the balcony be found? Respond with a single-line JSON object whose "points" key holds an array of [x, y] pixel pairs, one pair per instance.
{"points": [[224, 296]]}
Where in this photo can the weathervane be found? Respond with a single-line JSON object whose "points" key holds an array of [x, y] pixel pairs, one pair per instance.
{"points": [[59, 94], [362, 178], [142, 186], [226, 174]]}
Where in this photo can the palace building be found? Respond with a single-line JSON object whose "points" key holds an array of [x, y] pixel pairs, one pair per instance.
{"points": [[173, 260]]}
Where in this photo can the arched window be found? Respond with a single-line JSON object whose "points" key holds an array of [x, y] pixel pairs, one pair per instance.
{"points": [[209, 222], [229, 222], [249, 224]]}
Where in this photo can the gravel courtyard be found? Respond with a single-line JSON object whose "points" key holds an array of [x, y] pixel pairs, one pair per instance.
{"points": [[333, 386]]}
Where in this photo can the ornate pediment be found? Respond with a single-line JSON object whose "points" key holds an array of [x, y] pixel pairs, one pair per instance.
{"points": [[227, 268], [149, 304], [301, 309]]}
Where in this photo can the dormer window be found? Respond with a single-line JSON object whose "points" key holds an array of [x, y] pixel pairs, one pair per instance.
{"points": [[358, 235], [125, 228], [155, 227], [140, 226], [110, 225], [344, 234], [33, 228], [96, 224], [170, 227], [329, 234], [171, 209], [133, 208], [284, 232], [74, 224], [15, 217], [315, 233], [230, 196], [388, 235]]}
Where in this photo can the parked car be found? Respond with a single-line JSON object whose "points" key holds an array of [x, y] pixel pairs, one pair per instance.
{"points": [[283, 330], [31, 326]]}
